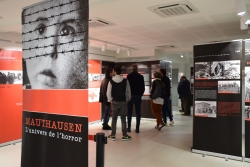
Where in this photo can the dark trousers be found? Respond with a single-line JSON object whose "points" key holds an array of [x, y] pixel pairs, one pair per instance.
{"points": [[135, 100], [166, 110], [182, 107], [186, 106], [106, 116]]}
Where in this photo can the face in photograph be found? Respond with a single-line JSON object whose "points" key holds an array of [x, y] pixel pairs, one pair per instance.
{"points": [[59, 58]]}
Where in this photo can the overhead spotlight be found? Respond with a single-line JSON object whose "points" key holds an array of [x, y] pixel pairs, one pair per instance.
{"points": [[241, 7], [243, 26], [104, 47], [246, 19], [129, 52], [118, 50], [182, 56]]}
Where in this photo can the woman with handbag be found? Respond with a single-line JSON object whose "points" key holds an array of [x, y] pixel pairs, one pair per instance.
{"points": [[157, 93]]}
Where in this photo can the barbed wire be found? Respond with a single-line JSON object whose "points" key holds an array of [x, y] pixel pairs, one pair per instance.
{"points": [[31, 31], [52, 7], [52, 36], [48, 54], [51, 45], [51, 17]]}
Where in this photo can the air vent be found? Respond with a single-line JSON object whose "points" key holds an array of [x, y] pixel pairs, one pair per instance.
{"points": [[174, 9], [18, 42], [167, 46], [4, 40], [98, 23]]}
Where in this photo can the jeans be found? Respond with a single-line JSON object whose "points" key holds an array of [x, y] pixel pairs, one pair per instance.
{"points": [[106, 116], [135, 99], [119, 108], [166, 110], [156, 110]]}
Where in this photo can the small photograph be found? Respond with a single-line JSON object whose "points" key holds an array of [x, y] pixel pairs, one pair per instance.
{"points": [[229, 87], [247, 84], [247, 113], [11, 77], [218, 70], [94, 94], [205, 109], [154, 68], [94, 77]]}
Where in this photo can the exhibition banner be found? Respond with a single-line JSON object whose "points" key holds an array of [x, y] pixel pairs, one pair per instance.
{"points": [[247, 98], [11, 76], [49, 139], [218, 98], [55, 75]]}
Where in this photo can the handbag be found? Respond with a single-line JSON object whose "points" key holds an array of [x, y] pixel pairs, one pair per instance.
{"points": [[158, 100]]}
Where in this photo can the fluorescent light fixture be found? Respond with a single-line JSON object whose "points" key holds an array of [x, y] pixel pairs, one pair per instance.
{"points": [[118, 50], [104, 47], [237, 40], [243, 26], [246, 19], [182, 56], [129, 52], [241, 7]]}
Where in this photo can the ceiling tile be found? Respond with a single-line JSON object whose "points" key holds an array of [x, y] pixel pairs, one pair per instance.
{"points": [[225, 17], [164, 25], [193, 21], [229, 24], [137, 29], [200, 27], [114, 32]]}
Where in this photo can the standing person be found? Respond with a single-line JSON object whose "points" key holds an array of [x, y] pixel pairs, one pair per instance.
{"points": [[165, 108], [119, 94], [178, 90], [104, 99], [136, 82], [157, 108], [185, 93]]}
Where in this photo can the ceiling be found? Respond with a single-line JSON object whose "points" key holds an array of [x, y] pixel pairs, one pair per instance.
{"points": [[139, 28]]}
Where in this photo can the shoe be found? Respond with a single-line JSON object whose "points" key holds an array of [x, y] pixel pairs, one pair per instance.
{"points": [[106, 128], [110, 137], [156, 127], [161, 126], [137, 130], [181, 110], [128, 130], [125, 138], [171, 123]]}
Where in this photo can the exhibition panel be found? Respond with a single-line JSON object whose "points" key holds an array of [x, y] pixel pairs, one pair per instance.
{"points": [[217, 126], [247, 100], [55, 84], [10, 95]]}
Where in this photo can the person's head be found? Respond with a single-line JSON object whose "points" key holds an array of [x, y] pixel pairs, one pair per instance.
{"points": [[182, 78], [134, 67], [55, 44], [108, 72], [117, 70], [157, 74], [163, 71]]}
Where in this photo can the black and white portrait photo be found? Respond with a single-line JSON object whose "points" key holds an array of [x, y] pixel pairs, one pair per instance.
{"points": [[230, 87], [11, 77], [218, 70], [247, 112], [205, 108], [55, 45], [94, 77], [247, 84]]}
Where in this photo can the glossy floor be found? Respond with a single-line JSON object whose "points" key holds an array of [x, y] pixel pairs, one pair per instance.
{"points": [[169, 147]]}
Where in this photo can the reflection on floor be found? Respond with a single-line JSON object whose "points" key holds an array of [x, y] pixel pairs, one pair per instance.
{"points": [[169, 147]]}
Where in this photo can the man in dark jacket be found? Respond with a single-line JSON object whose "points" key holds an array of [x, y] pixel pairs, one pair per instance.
{"points": [[103, 98], [185, 93], [137, 86], [165, 108]]}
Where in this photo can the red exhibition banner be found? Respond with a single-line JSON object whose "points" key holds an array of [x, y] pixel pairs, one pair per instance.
{"points": [[10, 95]]}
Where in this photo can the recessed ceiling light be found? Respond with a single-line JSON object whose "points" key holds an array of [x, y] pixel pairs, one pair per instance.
{"points": [[181, 55]]}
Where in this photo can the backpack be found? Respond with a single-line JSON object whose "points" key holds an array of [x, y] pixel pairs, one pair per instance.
{"points": [[160, 91]]}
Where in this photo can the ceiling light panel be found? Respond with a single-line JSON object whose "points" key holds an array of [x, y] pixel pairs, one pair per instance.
{"points": [[99, 23]]}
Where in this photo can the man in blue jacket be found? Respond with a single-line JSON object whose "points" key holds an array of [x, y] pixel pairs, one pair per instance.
{"points": [[184, 94], [137, 86]]}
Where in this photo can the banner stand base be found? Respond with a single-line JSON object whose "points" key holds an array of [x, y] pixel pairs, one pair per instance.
{"points": [[204, 153], [246, 159], [11, 143]]}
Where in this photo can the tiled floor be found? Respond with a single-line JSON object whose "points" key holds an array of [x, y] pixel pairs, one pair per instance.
{"points": [[169, 147]]}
